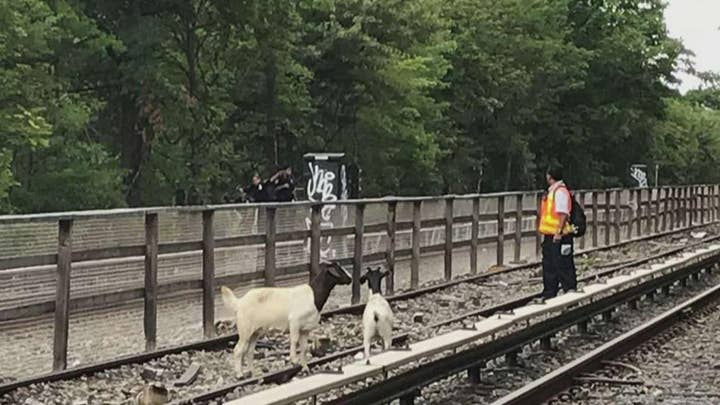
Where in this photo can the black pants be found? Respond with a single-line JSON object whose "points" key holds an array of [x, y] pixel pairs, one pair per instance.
{"points": [[558, 266]]}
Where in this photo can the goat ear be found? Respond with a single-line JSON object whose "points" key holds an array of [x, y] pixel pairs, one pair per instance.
{"points": [[363, 279]]}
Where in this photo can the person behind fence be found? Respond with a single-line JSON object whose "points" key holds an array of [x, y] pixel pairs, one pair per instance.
{"points": [[256, 191], [283, 185], [558, 263]]}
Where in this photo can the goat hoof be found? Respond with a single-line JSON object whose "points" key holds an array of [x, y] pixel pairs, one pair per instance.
{"points": [[367, 362]]}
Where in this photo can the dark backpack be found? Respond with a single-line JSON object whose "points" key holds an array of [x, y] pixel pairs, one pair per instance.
{"points": [[577, 217]]}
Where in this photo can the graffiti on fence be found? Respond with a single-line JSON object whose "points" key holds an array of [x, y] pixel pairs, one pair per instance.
{"points": [[323, 186], [639, 173]]}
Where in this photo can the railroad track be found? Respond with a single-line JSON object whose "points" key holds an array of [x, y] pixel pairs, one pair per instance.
{"points": [[394, 375], [279, 372], [567, 382]]}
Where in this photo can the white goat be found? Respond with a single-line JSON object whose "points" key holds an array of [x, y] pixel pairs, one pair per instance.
{"points": [[378, 316], [296, 309]]}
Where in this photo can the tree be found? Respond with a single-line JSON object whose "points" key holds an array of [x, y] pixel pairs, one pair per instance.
{"points": [[44, 110]]}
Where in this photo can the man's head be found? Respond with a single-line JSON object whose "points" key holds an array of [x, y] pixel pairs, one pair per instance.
{"points": [[553, 174], [256, 179]]}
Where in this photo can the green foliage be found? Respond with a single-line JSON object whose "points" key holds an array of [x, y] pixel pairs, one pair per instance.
{"points": [[106, 103], [687, 143]]}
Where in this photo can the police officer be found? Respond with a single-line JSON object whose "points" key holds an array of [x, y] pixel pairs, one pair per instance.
{"points": [[557, 245]]}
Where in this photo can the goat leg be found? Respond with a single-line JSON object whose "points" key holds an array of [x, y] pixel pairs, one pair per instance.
{"points": [[294, 336], [303, 345]]}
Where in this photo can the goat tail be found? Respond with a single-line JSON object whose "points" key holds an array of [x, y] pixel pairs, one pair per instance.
{"points": [[229, 298]]}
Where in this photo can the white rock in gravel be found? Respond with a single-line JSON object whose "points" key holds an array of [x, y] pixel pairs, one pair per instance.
{"points": [[698, 235]]}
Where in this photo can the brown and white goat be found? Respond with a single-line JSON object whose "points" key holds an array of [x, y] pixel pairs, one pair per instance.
{"points": [[296, 309]]}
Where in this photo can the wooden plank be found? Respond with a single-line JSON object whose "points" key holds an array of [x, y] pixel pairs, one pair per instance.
{"points": [[315, 216], [62, 294], [474, 233], [391, 220], [208, 271], [415, 260], [28, 261], [608, 219], [246, 240], [500, 231], [358, 253], [449, 202], [595, 221], [518, 227], [618, 214], [179, 247], [150, 292], [270, 234]]}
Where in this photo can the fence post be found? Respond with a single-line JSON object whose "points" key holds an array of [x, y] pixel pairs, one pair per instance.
{"points": [[693, 204], [716, 197], [673, 208], [62, 294], [538, 237], [665, 212], [270, 239], [595, 221], [581, 201], [716, 202], [685, 206], [315, 232], [415, 260], [501, 230], [358, 253], [648, 213], [656, 220], [608, 203], [449, 202], [391, 227], [518, 227], [618, 214], [638, 202], [702, 205], [151, 265], [474, 234], [631, 215], [208, 253]]}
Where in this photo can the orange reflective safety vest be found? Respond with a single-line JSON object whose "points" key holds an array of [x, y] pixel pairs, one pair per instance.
{"points": [[549, 218]]}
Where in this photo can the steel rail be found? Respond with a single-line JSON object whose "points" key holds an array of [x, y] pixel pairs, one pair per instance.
{"points": [[224, 341], [486, 311], [407, 384], [564, 377]]}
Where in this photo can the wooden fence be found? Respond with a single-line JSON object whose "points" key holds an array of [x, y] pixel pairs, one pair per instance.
{"points": [[485, 219]]}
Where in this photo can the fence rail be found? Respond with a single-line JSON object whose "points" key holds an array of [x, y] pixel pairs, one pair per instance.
{"points": [[302, 234]]}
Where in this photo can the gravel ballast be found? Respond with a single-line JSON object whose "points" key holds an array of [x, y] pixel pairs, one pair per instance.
{"points": [[118, 385]]}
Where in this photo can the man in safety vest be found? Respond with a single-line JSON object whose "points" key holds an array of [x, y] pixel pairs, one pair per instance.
{"points": [[557, 245]]}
